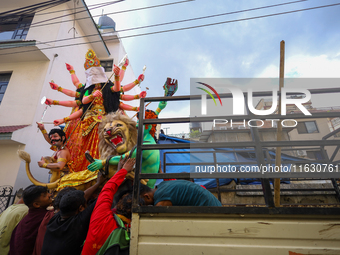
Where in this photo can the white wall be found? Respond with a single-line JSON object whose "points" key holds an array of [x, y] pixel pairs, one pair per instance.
{"points": [[10, 162], [30, 82]]}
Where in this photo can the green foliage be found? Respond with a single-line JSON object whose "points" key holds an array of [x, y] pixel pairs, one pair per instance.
{"points": [[195, 133]]}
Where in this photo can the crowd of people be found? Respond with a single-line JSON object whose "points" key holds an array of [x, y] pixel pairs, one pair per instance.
{"points": [[83, 222]]}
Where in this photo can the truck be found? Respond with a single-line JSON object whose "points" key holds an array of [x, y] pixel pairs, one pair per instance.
{"points": [[301, 216]]}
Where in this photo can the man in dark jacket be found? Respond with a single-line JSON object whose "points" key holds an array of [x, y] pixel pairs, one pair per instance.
{"points": [[66, 231], [23, 237]]}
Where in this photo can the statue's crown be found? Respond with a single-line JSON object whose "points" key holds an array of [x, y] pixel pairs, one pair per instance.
{"points": [[91, 60]]}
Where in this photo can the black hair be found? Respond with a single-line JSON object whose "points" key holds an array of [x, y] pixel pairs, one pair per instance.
{"points": [[143, 189], [80, 91], [58, 131], [111, 99], [32, 193], [124, 205], [71, 201], [59, 196]]}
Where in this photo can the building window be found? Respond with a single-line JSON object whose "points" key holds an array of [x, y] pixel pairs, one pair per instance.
{"points": [[15, 27], [107, 64], [307, 127], [4, 80], [335, 124]]}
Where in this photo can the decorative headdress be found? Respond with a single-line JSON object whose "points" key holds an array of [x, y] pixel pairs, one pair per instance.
{"points": [[91, 60]]}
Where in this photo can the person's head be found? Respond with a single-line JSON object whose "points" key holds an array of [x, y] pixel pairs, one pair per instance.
{"points": [[72, 203], [124, 205], [146, 193], [59, 196], [36, 197], [57, 136]]}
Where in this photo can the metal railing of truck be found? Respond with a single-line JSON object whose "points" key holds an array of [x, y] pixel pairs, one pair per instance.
{"points": [[260, 149]]}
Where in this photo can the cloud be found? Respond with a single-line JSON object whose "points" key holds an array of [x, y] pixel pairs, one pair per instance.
{"points": [[306, 66]]}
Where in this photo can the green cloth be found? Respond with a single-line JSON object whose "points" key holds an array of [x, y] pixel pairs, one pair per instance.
{"points": [[184, 193], [9, 219], [118, 237]]}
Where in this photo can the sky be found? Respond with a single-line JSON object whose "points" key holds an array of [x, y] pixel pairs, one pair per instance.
{"points": [[244, 49]]}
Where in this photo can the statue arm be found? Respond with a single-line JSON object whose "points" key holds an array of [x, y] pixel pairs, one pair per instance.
{"points": [[90, 98], [74, 77], [122, 71], [131, 97], [74, 103], [67, 92], [131, 85], [127, 107], [161, 106], [73, 116], [61, 161], [116, 86], [98, 164], [44, 132]]}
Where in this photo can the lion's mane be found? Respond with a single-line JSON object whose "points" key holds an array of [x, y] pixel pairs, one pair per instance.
{"points": [[105, 149]]}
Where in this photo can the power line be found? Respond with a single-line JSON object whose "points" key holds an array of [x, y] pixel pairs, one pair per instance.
{"points": [[92, 5], [211, 16], [130, 10], [30, 8], [186, 28], [62, 16], [173, 22]]}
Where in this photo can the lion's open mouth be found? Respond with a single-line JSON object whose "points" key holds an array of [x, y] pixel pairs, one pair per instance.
{"points": [[116, 140]]}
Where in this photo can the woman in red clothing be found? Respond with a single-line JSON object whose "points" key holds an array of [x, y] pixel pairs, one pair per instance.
{"points": [[102, 221]]}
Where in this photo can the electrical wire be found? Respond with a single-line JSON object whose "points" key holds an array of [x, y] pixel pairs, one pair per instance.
{"points": [[185, 28], [89, 6], [66, 15], [179, 21], [130, 10], [30, 8], [212, 16]]}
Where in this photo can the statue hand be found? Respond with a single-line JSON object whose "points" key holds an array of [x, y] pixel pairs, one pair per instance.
{"points": [[116, 70], [141, 78], [40, 126], [142, 94], [69, 67], [48, 101], [126, 62], [162, 104], [58, 122], [97, 164], [97, 93], [54, 86], [41, 162]]}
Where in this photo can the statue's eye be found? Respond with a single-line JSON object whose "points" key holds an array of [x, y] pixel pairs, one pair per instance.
{"points": [[119, 125]]}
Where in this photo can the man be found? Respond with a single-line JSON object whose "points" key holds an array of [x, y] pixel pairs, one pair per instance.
{"points": [[66, 231], [42, 229], [178, 193], [9, 219], [102, 220], [23, 237], [62, 156]]}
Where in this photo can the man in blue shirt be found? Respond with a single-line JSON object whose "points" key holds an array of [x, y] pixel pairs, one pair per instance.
{"points": [[178, 193]]}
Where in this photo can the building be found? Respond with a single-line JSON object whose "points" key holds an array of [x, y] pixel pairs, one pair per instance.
{"points": [[37, 38], [310, 129]]}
